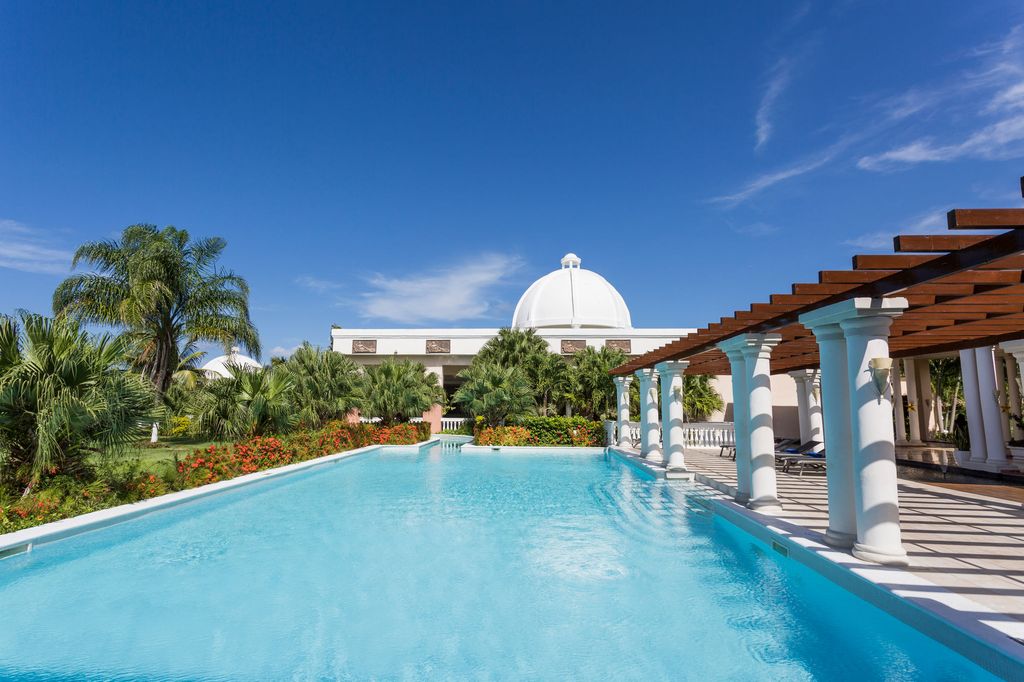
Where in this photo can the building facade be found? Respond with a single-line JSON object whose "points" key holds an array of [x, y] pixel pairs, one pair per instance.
{"points": [[571, 308]]}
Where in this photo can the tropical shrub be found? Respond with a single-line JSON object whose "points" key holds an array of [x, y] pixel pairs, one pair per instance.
{"points": [[700, 398], [179, 426], [326, 385], [251, 402], [572, 431], [503, 435], [398, 390], [64, 395], [494, 392]]}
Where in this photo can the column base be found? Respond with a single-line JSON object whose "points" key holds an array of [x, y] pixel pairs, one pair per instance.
{"points": [[741, 498], [987, 465], [654, 457], [881, 556], [839, 539], [625, 444], [682, 474], [765, 505]]}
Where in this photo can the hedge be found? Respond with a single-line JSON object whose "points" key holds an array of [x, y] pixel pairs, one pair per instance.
{"points": [[553, 431]]}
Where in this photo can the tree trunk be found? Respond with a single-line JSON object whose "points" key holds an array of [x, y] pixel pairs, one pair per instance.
{"points": [[952, 408]]}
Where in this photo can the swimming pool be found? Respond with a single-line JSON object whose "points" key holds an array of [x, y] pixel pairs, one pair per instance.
{"points": [[428, 564]]}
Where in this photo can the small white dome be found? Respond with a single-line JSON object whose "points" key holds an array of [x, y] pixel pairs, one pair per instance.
{"points": [[571, 297], [217, 368]]}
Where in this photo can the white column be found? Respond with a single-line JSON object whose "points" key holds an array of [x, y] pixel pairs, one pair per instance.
{"points": [[1013, 395], [1004, 401], [835, 389], [914, 406], [802, 408], [897, 402], [995, 446], [622, 402], [650, 427], [764, 495], [740, 418], [814, 410], [1016, 350], [972, 402], [876, 497], [672, 435]]}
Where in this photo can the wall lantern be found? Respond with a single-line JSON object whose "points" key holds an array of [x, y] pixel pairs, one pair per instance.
{"points": [[880, 369]]}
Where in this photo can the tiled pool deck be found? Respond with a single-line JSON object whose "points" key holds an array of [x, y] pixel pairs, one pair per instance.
{"points": [[972, 545]]}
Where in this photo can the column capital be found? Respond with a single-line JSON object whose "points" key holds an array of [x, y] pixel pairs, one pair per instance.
{"points": [[623, 380], [760, 345], [748, 343], [671, 368], [647, 374], [809, 375], [854, 308], [1014, 348]]}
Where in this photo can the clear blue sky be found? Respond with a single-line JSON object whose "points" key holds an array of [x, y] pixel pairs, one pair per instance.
{"points": [[390, 164]]}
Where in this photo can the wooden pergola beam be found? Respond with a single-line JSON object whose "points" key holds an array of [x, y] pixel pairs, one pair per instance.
{"points": [[985, 218], [933, 243]]}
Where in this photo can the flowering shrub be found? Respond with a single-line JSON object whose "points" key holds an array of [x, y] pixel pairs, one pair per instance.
{"points": [[64, 496], [503, 435]]}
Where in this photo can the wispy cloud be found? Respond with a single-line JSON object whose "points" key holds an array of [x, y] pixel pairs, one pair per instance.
{"points": [[772, 178], [460, 292], [320, 286], [778, 79], [982, 105], [932, 220], [1001, 140], [30, 250]]}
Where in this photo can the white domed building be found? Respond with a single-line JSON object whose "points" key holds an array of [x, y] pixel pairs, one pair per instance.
{"points": [[217, 368], [570, 308]]}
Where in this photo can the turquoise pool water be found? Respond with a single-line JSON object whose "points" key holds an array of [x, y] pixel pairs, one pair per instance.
{"points": [[442, 565]]}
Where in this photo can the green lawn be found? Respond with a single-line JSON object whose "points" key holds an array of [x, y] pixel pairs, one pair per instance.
{"points": [[159, 458]]}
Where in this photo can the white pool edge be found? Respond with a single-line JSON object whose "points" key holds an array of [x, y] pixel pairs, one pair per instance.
{"points": [[951, 619], [24, 540]]}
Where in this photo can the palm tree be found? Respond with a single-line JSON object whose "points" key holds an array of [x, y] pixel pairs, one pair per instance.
{"points": [[700, 398], [64, 395], [591, 384], [552, 380], [515, 348], [398, 390], [494, 392], [166, 290], [326, 384], [251, 402]]}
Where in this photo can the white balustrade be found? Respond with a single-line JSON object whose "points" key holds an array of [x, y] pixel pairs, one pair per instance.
{"points": [[708, 434]]}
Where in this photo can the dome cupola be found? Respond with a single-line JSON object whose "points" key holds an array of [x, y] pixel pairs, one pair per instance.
{"points": [[571, 297]]}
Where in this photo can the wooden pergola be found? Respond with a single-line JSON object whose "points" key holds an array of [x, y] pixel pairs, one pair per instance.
{"points": [[964, 291]]}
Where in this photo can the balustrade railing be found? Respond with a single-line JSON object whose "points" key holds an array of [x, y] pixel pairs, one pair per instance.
{"points": [[708, 434], [695, 434]]}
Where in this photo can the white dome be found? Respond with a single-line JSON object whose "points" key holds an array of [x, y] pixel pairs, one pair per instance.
{"points": [[218, 367], [571, 297]]}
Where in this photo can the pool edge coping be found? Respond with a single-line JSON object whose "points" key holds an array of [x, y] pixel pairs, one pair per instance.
{"points": [[975, 640], [25, 539]]}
